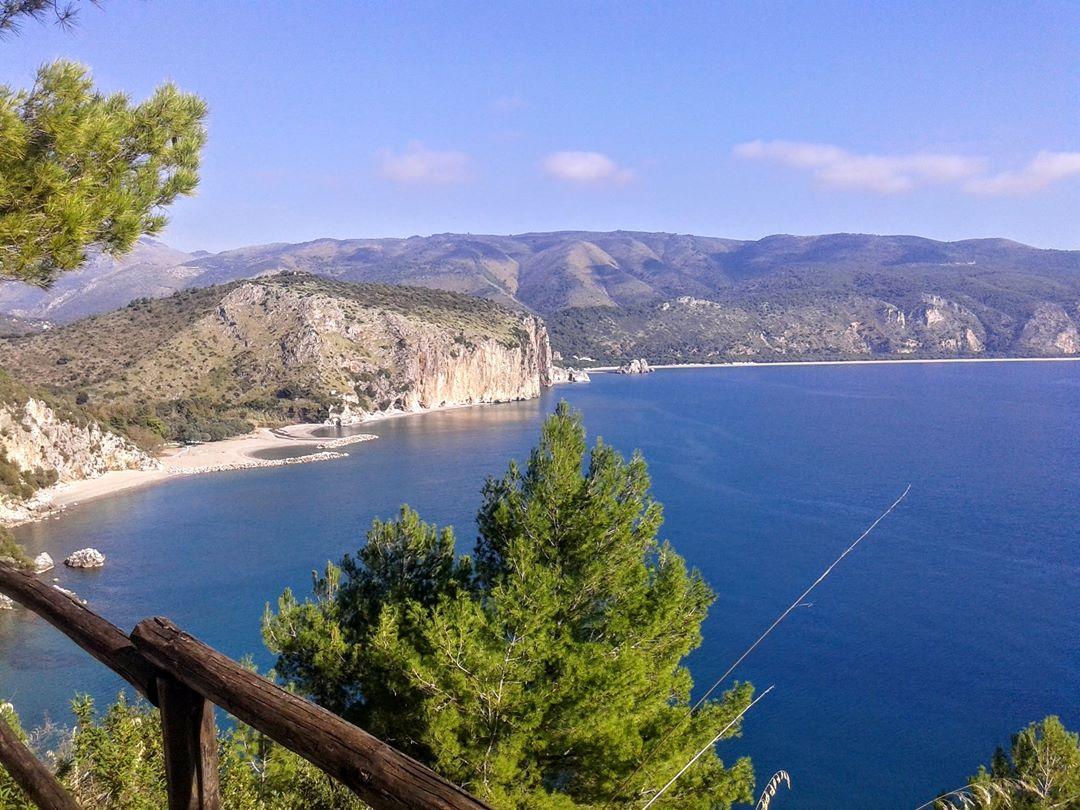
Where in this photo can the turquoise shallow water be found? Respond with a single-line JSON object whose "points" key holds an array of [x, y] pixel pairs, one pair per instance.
{"points": [[953, 625]]}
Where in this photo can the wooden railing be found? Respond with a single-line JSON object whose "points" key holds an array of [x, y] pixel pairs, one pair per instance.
{"points": [[185, 679]]}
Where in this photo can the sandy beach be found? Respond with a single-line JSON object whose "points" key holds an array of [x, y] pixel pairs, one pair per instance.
{"points": [[228, 454], [237, 453]]}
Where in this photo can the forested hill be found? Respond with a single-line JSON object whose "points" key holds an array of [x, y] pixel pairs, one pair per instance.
{"points": [[667, 296], [207, 363]]}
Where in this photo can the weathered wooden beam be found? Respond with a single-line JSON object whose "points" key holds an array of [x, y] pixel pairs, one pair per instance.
{"points": [[190, 744], [378, 773], [36, 781], [103, 640]]}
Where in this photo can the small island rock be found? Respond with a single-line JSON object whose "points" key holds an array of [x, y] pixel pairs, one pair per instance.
{"points": [[568, 374], [639, 366], [86, 558]]}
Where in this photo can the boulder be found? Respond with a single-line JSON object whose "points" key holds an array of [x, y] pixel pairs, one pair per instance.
{"points": [[6, 602], [86, 558], [42, 563]]}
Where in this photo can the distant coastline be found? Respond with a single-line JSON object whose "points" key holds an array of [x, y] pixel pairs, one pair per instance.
{"points": [[878, 362]]}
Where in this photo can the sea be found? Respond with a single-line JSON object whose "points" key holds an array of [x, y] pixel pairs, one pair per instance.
{"points": [[952, 625]]}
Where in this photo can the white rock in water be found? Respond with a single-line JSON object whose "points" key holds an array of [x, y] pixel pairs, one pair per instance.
{"points": [[86, 558], [42, 563], [578, 375], [70, 594], [6, 602], [568, 374], [639, 366]]}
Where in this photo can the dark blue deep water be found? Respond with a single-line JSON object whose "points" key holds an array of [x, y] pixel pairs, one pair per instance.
{"points": [[952, 626]]}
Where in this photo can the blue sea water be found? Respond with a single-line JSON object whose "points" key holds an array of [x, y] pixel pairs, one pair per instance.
{"points": [[953, 625]]}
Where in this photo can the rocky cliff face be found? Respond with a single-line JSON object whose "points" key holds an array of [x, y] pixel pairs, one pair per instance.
{"points": [[38, 442], [295, 348], [371, 359], [1051, 331]]}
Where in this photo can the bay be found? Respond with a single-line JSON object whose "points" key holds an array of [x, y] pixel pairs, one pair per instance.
{"points": [[952, 626]]}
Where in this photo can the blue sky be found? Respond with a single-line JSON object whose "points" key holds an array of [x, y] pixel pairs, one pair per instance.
{"points": [[949, 120]]}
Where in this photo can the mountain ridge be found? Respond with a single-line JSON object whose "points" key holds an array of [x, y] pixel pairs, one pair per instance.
{"points": [[826, 283]]}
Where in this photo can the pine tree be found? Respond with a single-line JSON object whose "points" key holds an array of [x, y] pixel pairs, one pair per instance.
{"points": [[538, 674], [80, 168]]}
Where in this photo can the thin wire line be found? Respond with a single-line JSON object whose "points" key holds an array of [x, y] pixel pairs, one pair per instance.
{"points": [[761, 638], [710, 744]]}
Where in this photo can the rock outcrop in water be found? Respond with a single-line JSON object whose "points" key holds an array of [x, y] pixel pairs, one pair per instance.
{"points": [[637, 366], [569, 374], [85, 558]]}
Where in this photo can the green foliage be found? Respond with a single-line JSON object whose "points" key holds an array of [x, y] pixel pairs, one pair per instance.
{"points": [[115, 761], [81, 168], [539, 674], [19, 483], [14, 12], [11, 796], [11, 552], [1042, 768], [1040, 772]]}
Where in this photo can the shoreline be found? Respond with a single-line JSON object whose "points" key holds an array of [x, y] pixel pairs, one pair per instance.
{"points": [[236, 453], [876, 362]]}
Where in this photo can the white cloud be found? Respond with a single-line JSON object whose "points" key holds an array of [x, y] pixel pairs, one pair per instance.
{"points": [[834, 167], [586, 169], [1043, 170], [416, 165], [508, 104]]}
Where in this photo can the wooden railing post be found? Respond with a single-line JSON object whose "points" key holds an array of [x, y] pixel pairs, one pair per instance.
{"points": [[36, 781], [185, 679], [190, 741], [382, 776]]}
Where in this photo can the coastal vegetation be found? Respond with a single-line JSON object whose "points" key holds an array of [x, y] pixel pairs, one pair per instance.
{"points": [[10, 551], [537, 671], [114, 760], [1041, 771]]}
